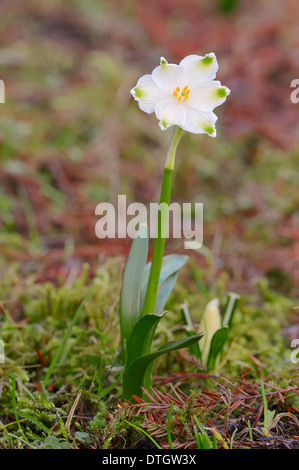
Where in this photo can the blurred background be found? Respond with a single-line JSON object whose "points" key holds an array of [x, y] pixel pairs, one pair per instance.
{"points": [[71, 136]]}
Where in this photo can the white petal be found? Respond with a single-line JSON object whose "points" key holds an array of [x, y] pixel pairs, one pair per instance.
{"points": [[147, 94], [205, 96], [167, 76], [198, 68], [200, 122], [170, 112]]}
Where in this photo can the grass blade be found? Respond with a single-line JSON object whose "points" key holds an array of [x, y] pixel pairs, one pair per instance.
{"points": [[34, 420], [169, 426], [14, 404], [145, 433], [66, 336]]}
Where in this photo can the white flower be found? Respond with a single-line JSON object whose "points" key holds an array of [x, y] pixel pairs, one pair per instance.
{"points": [[183, 95]]}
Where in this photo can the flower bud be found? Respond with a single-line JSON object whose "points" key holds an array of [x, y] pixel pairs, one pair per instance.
{"points": [[210, 323]]}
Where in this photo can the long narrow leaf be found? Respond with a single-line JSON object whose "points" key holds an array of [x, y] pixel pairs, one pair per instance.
{"points": [[136, 375], [190, 330], [170, 266], [141, 337], [164, 291], [130, 296], [230, 308], [217, 344]]}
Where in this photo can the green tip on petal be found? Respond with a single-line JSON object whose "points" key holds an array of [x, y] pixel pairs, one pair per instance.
{"points": [[209, 130], [207, 60], [164, 123], [221, 92], [138, 92], [163, 61]]}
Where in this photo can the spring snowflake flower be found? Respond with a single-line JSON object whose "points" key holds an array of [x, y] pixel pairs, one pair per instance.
{"points": [[184, 95]]}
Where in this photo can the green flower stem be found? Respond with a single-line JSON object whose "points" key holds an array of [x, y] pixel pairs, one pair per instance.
{"points": [[159, 244], [170, 158]]}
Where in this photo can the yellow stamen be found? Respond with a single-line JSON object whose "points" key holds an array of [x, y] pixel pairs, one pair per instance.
{"points": [[186, 95], [183, 95]]}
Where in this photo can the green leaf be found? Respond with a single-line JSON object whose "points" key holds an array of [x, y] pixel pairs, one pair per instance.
{"points": [[164, 291], [141, 340], [130, 296], [138, 372], [169, 272], [268, 415], [51, 442], [190, 330], [230, 308], [83, 437], [142, 336], [217, 344], [202, 439]]}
